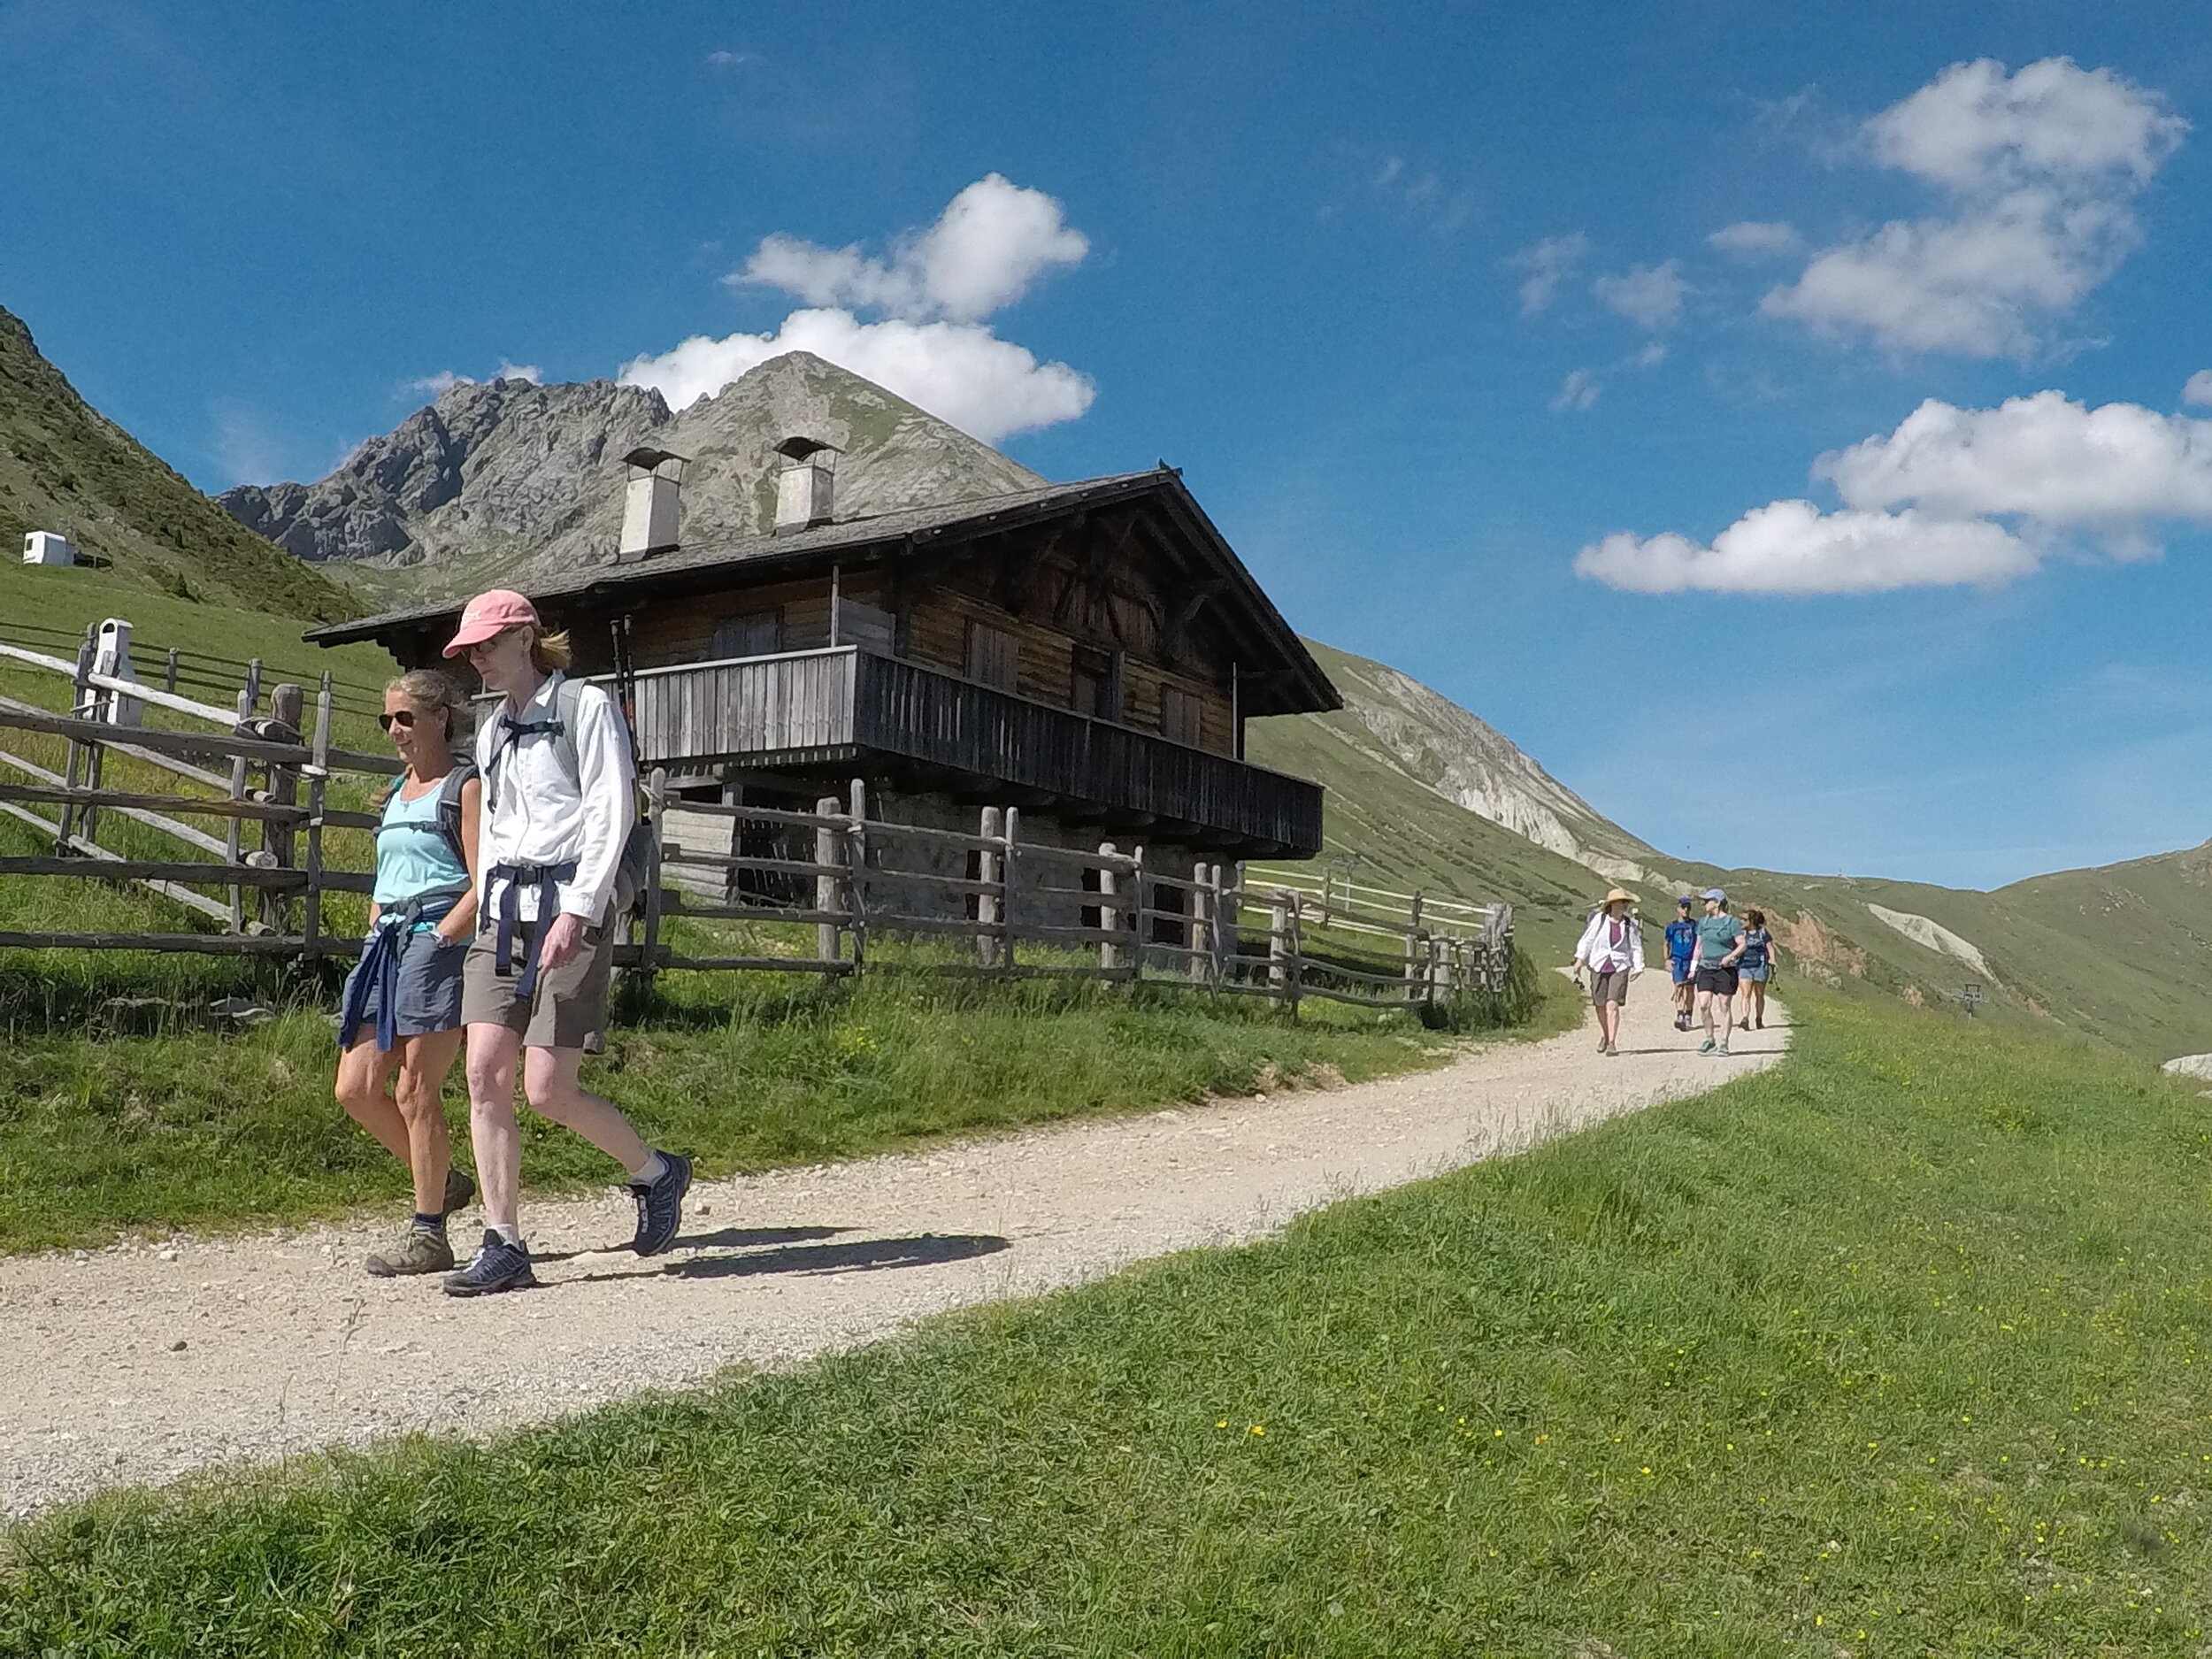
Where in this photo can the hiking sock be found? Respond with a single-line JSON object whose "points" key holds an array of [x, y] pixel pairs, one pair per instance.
{"points": [[430, 1224], [508, 1235], [645, 1173]]}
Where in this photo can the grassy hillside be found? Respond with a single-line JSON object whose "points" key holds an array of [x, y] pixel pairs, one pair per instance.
{"points": [[66, 467], [2123, 953], [1897, 1348]]}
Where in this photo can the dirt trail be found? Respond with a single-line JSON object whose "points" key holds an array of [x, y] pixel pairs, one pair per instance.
{"points": [[139, 1363]]}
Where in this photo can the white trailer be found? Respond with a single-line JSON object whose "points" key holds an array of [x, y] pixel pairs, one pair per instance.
{"points": [[44, 547]]}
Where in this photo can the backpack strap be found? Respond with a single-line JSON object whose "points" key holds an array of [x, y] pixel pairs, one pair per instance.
{"points": [[450, 789]]}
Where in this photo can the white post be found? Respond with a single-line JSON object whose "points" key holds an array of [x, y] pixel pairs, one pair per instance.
{"points": [[988, 871], [826, 943]]}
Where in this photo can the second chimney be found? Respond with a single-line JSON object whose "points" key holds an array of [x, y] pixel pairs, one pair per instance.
{"points": [[653, 509], [806, 487]]}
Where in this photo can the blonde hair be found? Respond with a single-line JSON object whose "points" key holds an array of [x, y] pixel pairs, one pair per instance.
{"points": [[550, 653], [428, 689]]}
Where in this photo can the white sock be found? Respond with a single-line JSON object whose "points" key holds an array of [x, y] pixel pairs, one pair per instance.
{"points": [[509, 1235], [645, 1173]]}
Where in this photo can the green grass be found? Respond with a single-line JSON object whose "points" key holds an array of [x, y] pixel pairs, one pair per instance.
{"points": [[1896, 1350], [107, 1127]]}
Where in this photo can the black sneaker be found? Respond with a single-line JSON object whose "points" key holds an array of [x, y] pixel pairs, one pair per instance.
{"points": [[498, 1266], [660, 1206]]}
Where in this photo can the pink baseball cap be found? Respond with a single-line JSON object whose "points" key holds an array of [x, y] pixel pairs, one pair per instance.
{"points": [[489, 614]]}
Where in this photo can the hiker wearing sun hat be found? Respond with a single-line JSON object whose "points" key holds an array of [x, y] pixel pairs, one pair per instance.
{"points": [[1612, 949], [560, 799], [1720, 946]]}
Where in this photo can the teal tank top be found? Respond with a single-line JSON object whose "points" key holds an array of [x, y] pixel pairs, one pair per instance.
{"points": [[413, 858]]}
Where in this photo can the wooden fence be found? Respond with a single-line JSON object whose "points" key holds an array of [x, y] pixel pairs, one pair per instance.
{"points": [[115, 791]]}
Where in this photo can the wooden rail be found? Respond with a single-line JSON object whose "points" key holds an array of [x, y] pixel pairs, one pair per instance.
{"points": [[1015, 906]]}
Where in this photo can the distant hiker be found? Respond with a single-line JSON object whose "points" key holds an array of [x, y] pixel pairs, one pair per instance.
{"points": [[1681, 948], [560, 801], [1753, 971], [401, 1018], [1612, 947], [1720, 946]]}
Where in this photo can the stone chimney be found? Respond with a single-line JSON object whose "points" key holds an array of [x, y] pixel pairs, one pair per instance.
{"points": [[653, 509], [806, 485]]}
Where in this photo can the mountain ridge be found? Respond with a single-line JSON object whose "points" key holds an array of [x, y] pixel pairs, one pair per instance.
{"points": [[517, 482]]}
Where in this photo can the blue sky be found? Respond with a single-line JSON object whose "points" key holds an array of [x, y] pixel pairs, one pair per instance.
{"points": [[1423, 299]]}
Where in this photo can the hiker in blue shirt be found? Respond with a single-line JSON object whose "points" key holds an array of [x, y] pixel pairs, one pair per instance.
{"points": [[1681, 945], [400, 1027], [1720, 947]]}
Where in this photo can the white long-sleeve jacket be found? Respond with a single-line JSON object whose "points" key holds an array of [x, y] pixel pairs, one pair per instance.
{"points": [[1606, 957], [536, 812]]}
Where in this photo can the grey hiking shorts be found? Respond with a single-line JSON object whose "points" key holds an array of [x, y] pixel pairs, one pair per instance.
{"points": [[566, 1009]]}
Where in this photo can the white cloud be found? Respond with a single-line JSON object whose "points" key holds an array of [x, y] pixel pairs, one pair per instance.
{"points": [[2115, 470], [2199, 389], [1951, 496], [1577, 391], [1649, 355], [961, 371], [1792, 547], [726, 59], [991, 241], [2042, 167], [1548, 264], [1755, 240], [1650, 296], [930, 347]]}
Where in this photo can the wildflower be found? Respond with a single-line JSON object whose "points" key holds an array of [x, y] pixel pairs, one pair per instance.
{"points": [[1257, 1429]]}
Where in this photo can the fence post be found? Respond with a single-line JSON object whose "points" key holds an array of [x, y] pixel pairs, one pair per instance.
{"points": [[1281, 948], [657, 804], [1109, 912], [288, 706], [986, 902], [80, 706], [856, 862], [233, 848], [826, 944], [169, 678], [1439, 969], [318, 790], [1010, 876], [253, 687], [1139, 914], [1199, 937], [1415, 949]]}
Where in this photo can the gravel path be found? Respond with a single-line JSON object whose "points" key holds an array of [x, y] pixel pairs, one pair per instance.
{"points": [[141, 1362]]}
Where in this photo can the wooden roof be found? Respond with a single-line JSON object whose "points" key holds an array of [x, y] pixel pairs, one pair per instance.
{"points": [[1278, 674]]}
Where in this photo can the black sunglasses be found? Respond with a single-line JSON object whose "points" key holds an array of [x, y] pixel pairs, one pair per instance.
{"points": [[397, 716]]}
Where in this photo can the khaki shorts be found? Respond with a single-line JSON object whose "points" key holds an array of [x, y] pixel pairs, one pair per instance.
{"points": [[1609, 987], [567, 1007]]}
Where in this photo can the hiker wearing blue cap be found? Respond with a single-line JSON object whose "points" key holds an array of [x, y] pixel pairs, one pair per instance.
{"points": [[1681, 947], [1720, 946]]}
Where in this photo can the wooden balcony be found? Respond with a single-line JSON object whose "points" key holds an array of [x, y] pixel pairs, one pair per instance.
{"points": [[848, 710]]}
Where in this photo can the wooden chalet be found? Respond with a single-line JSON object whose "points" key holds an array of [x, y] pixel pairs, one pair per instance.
{"points": [[1089, 652]]}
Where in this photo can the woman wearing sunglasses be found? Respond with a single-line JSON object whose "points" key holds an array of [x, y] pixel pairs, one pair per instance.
{"points": [[400, 1027]]}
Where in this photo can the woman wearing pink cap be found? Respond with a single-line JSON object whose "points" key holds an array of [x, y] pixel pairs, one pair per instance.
{"points": [[560, 799]]}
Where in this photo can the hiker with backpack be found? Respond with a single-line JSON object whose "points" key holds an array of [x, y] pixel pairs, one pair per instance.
{"points": [[400, 1027], [559, 867]]}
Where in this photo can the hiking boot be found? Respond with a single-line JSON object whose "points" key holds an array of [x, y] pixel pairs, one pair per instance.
{"points": [[1743, 1024], [660, 1206], [1761, 1022], [498, 1266], [458, 1190], [1612, 1047], [419, 1250], [1724, 1051], [1705, 1047]]}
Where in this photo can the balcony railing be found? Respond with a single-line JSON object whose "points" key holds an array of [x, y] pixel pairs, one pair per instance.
{"points": [[806, 708]]}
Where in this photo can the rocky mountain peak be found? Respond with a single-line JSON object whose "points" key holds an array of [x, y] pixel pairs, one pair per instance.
{"points": [[527, 478]]}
